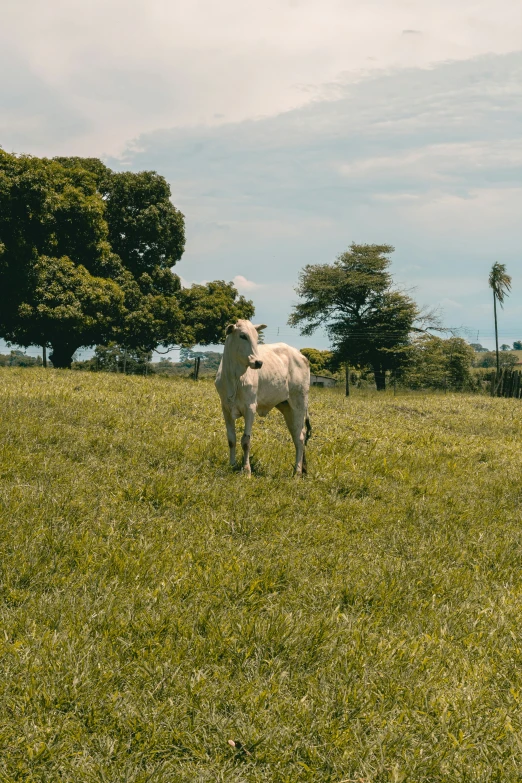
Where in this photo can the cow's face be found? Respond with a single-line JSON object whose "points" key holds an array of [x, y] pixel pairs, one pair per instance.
{"points": [[242, 343]]}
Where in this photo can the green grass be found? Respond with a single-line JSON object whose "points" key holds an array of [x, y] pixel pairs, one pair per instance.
{"points": [[363, 624]]}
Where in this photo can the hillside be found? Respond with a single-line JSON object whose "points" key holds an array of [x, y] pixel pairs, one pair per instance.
{"points": [[362, 624]]}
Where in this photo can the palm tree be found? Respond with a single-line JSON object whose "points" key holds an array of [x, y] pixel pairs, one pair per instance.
{"points": [[500, 282]]}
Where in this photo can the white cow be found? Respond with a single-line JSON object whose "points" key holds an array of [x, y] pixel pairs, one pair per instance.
{"points": [[254, 379]]}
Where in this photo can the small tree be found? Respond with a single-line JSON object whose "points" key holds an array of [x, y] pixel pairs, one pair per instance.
{"points": [[320, 361], [506, 360], [517, 345], [437, 363], [500, 283], [368, 322]]}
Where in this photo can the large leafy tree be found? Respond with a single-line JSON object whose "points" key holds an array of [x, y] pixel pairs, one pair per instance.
{"points": [[86, 257], [500, 284], [368, 322]]}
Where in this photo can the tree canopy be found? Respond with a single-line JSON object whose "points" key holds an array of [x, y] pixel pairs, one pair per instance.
{"points": [[434, 362], [368, 322], [320, 361], [86, 256]]}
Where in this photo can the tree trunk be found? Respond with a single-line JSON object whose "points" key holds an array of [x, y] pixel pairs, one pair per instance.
{"points": [[347, 379], [62, 356], [496, 331], [380, 378], [44, 355]]}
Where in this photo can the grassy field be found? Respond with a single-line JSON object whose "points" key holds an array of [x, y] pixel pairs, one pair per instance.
{"points": [[361, 625]]}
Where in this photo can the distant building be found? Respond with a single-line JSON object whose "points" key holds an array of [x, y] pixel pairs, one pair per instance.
{"points": [[322, 380]]}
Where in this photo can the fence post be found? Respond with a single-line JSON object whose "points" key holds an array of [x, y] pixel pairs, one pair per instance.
{"points": [[498, 388]]}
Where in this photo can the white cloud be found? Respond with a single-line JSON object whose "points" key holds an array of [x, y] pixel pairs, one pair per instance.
{"points": [[126, 69], [444, 192], [188, 283], [439, 162], [245, 286]]}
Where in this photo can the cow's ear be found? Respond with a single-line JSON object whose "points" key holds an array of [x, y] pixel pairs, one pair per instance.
{"points": [[259, 327], [230, 328]]}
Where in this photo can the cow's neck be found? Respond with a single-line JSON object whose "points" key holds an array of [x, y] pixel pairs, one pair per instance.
{"points": [[232, 372]]}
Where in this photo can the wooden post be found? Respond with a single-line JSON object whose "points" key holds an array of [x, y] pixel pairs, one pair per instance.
{"points": [[347, 379], [44, 355]]}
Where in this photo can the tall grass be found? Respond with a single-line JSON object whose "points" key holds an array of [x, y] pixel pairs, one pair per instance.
{"points": [[363, 624]]}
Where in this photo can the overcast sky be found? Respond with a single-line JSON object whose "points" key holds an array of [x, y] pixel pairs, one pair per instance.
{"points": [[288, 129]]}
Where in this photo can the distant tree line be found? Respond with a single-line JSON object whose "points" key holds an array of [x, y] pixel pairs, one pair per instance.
{"points": [[427, 361], [113, 358], [17, 358]]}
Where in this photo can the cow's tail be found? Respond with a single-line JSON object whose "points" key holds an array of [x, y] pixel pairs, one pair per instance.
{"points": [[308, 429]]}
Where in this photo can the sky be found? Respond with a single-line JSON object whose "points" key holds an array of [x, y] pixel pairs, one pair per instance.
{"points": [[291, 128]]}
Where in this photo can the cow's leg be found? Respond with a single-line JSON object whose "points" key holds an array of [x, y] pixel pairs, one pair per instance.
{"points": [[245, 440], [296, 425], [231, 434]]}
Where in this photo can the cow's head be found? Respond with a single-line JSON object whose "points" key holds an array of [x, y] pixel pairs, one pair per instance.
{"points": [[242, 343]]}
